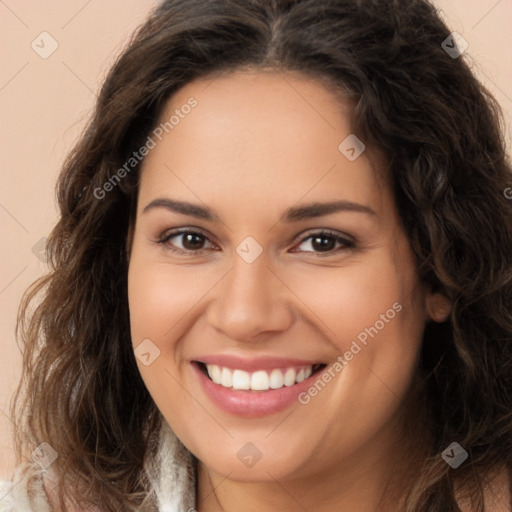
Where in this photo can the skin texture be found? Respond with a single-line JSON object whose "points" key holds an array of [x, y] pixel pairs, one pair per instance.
{"points": [[256, 144]]}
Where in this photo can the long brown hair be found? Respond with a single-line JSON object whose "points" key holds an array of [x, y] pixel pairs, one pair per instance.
{"points": [[442, 135]]}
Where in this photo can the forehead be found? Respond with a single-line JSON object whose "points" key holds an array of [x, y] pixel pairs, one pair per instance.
{"points": [[258, 137]]}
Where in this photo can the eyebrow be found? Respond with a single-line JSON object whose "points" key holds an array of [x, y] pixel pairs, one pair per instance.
{"points": [[293, 214], [183, 207], [312, 210]]}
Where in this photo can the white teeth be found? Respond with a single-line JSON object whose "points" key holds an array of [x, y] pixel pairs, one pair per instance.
{"points": [[241, 380], [276, 379], [226, 377], [289, 377], [261, 380], [215, 373]]}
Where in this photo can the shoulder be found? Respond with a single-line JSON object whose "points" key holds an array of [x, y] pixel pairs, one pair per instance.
{"points": [[25, 493], [32, 489], [6, 499]]}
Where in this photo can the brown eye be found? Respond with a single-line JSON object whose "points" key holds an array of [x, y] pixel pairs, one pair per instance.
{"points": [[185, 241], [192, 241], [324, 242]]}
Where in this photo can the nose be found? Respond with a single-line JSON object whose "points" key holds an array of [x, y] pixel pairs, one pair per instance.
{"points": [[250, 302]]}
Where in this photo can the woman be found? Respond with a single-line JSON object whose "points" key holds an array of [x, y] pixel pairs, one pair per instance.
{"points": [[281, 279]]}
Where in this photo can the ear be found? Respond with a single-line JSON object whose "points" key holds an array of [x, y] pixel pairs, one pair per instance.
{"points": [[438, 307]]}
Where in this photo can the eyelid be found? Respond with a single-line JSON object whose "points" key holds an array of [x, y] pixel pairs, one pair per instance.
{"points": [[346, 241], [324, 231]]}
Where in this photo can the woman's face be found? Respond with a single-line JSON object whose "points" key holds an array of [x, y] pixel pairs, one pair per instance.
{"points": [[293, 267]]}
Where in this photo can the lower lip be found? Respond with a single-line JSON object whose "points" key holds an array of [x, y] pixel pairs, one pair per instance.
{"points": [[252, 404]]}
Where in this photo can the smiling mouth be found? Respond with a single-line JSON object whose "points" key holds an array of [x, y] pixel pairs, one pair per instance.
{"points": [[261, 380]]}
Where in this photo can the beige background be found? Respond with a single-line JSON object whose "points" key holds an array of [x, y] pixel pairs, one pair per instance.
{"points": [[44, 103]]}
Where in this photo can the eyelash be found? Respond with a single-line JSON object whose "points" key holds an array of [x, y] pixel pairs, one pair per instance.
{"points": [[348, 244]]}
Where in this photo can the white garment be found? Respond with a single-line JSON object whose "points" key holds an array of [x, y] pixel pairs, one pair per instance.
{"points": [[25, 493], [171, 473]]}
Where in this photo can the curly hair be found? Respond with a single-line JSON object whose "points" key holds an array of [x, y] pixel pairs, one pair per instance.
{"points": [[441, 132]]}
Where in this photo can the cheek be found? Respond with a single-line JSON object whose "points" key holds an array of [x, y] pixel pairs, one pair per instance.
{"points": [[165, 303], [375, 323], [161, 296], [349, 300], [372, 315], [161, 301]]}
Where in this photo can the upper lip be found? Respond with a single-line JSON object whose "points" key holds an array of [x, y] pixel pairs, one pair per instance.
{"points": [[256, 363]]}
